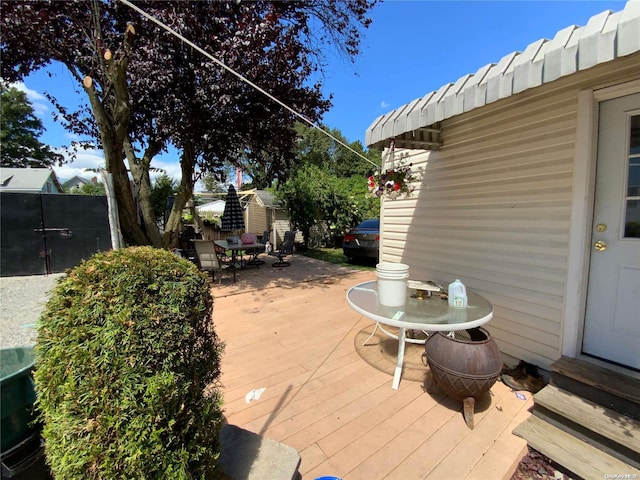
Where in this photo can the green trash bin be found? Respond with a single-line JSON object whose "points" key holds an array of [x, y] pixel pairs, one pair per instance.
{"points": [[21, 443]]}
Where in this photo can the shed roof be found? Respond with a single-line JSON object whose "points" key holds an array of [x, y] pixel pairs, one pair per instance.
{"points": [[266, 199], [606, 36], [26, 179]]}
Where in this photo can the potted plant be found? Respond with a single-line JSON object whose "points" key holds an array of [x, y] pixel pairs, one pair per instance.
{"points": [[394, 182]]}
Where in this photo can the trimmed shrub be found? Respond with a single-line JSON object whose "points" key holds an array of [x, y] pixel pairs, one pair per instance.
{"points": [[127, 363]]}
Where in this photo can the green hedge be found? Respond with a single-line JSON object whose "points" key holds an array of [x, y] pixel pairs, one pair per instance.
{"points": [[127, 364]]}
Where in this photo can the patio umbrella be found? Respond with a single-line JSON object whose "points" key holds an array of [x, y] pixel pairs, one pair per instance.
{"points": [[233, 215]]}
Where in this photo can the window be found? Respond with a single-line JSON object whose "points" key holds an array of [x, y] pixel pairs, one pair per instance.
{"points": [[632, 211]]}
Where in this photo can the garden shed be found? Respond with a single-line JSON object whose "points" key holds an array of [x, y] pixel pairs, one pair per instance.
{"points": [[530, 192], [263, 212]]}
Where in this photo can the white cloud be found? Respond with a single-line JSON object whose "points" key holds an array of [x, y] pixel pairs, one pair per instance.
{"points": [[94, 159], [38, 101], [85, 159], [71, 136], [171, 168], [384, 104]]}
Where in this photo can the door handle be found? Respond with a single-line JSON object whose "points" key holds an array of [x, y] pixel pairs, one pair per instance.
{"points": [[600, 245]]}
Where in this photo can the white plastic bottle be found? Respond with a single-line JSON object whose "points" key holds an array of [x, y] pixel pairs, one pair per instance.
{"points": [[457, 294]]}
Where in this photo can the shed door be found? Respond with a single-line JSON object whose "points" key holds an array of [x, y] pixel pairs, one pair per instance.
{"points": [[612, 322]]}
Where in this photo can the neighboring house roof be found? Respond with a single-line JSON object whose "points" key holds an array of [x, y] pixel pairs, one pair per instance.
{"points": [[29, 180], [606, 36], [217, 206], [266, 199], [75, 181]]}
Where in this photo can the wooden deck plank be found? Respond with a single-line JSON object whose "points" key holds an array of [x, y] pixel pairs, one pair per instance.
{"points": [[498, 416], [296, 375], [370, 444], [295, 336], [379, 464], [326, 425], [311, 358], [307, 396], [354, 384], [362, 424], [504, 454]]}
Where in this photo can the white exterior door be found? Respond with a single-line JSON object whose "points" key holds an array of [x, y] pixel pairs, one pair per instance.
{"points": [[612, 320]]}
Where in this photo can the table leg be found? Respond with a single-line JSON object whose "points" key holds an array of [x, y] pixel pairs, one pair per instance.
{"points": [[234, 259], [400, 360], [372, 334]]}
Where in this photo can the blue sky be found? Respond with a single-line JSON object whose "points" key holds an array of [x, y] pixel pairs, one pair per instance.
{"points": [[411, 48]]}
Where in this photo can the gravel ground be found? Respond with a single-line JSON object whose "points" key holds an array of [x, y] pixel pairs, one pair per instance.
{"points": [[21, 302]]}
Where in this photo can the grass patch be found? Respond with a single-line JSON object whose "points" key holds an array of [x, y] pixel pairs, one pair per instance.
{"points": [[335, 255]]}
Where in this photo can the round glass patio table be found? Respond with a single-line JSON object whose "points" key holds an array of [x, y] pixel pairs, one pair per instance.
{"points": [[429, 314]]}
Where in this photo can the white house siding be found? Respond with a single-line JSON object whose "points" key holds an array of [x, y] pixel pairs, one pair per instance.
{"points": [[494, 209], [280, 226]]}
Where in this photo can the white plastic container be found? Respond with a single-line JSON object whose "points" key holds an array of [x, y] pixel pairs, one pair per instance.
{"points": [[457, 294], [392, 283]]}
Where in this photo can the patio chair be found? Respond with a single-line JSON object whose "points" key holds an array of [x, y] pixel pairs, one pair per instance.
{"points": [[286, 249], [266, 248], [208, 260], [223, 258], [185, 243], [255, 253]]}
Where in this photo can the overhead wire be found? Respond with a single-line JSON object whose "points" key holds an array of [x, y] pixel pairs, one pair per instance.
{"points": [[244, 79]]}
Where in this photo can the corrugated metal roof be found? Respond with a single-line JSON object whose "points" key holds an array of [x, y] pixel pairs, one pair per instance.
{"points": [[606, 36]]}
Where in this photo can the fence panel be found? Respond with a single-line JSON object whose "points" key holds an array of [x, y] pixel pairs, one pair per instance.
{"points": [[49, 233]]}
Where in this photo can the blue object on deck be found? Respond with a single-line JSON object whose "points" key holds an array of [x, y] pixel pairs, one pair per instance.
{"points": [[328, 478]]}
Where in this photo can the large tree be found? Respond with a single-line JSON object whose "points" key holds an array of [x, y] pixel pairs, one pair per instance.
{"points": [[316, 148], [19, 132], [328, 185], [146, 89]]}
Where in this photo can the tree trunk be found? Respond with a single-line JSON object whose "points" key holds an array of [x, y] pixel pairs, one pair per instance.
{"points": [[140, 172], [114, 128], [183, 194], [131, 231]]}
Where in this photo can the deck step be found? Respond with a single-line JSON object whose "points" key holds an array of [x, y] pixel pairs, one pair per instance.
{"points": [[580, 458], [605, 429], [601, 420], [600, 385]]}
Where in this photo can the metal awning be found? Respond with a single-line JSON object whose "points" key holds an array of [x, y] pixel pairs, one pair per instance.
{"points": [[606, 36]]}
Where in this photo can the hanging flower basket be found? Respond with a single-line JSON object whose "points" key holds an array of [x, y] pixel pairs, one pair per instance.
{"points": [[395, 182]]}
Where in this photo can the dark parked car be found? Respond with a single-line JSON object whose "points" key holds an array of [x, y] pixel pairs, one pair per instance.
{"points": [[363, 241]]}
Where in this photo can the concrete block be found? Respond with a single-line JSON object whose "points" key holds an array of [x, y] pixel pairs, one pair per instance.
{"points": [[245, 455]]}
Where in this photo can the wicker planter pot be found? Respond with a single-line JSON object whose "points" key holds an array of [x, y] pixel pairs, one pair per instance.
{"points": [[465, 368]]}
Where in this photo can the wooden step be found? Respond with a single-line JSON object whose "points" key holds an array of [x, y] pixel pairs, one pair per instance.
{"points": [[610, 431], [600, 385], [578, 457], [601, 420]]}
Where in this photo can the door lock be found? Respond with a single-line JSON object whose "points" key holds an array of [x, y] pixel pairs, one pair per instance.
{"points": [[600, 245], [601, 227]]}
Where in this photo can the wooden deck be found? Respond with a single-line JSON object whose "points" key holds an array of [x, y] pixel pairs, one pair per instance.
{"points": [[292, 332]]}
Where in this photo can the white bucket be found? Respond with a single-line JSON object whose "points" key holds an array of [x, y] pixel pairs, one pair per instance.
{"points": [[392, 283]]}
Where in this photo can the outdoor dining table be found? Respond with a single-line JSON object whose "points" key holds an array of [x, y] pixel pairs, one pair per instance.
{"points": [[236, 248], [428, 314]]}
